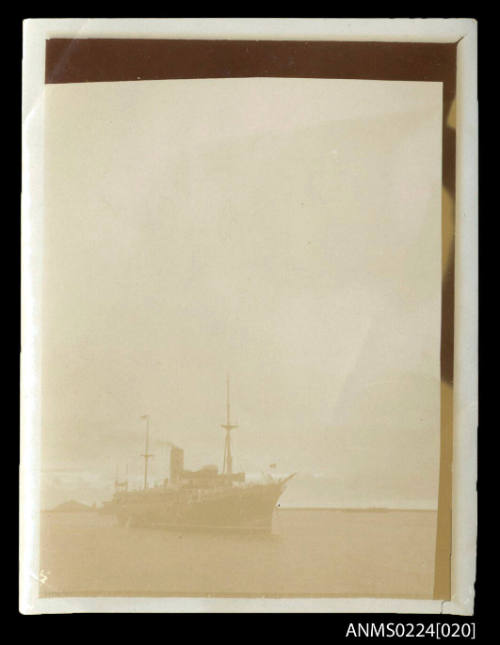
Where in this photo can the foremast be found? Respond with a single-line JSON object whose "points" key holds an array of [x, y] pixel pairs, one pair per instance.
{"points": [[227, 467], [147, 455]]}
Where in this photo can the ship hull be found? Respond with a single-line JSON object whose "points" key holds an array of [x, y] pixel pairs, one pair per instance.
{"points": [[239, 508]]}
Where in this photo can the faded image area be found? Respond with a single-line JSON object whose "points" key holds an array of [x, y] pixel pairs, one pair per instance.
{"points": [[241, 335]]}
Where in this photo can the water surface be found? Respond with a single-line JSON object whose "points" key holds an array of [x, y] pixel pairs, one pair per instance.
{"points": [[347, 553]]}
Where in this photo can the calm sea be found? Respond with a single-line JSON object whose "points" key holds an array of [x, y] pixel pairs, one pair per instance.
{"points": [[310, 553]]}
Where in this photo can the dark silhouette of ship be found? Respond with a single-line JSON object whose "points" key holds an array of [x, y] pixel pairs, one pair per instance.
{"points": [[199, 499]]}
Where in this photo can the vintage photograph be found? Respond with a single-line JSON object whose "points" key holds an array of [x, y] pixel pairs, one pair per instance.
{"points": [[241, 324]]}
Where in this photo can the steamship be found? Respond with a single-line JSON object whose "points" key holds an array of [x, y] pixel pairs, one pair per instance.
{"points": [[198, 499]]}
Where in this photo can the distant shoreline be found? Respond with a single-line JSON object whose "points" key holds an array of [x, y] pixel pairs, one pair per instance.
{"points": [[292, 508], [369, 509]]}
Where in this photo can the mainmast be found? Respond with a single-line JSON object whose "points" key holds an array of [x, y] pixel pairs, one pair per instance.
{"points": [[227, 467], [147, 455]]}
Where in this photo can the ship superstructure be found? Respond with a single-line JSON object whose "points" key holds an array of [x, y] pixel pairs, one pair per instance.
{"points": [[201, 498]]}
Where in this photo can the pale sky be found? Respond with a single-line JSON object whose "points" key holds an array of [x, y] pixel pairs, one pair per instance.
{"points": [[284, 230]]}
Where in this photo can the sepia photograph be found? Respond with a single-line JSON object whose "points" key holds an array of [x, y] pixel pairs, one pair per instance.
{"points": [[242, 382]]}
